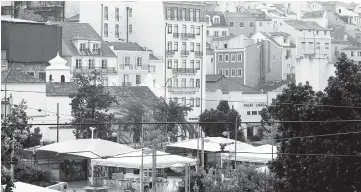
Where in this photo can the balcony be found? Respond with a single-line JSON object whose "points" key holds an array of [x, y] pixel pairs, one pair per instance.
{"points": [[184, 71], [133, 67], [127, 84], [184, 53], [188, 35], [198, 53], [175, 35], [107, 70], [182, 90], [97, 51], [170, 52]]}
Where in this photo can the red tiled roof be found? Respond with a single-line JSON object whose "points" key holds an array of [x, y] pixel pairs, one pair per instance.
{"points": [[219, 82], [15, 76], [126, 46]]}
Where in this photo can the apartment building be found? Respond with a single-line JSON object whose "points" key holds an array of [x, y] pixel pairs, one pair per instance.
{"points": [[231, 41], [240, 23], [278, 56], [133, 63], [263, 22], [353, 53], [349, 17], [216, 25], [85, 51], [178, 31]]}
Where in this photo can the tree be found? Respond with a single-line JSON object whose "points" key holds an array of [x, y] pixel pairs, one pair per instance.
{"points": [[29, 15], [90, 105], [33, 139], [340, 169], [222, 114]]}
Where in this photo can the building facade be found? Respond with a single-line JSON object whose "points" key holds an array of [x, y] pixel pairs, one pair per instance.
{"points": [[353, 53], [216, 25], [240, 23]]}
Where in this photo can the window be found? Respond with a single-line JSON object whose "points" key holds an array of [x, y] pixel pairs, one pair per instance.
{"points": [[169, 63], [175, 82], [231, 24], [224, 33], [241, 24], [260, 24], [104, 63], [175, 46], [192, 47], [169, 82], [248, 112], [139, 61], [106, 29], [184, 81], [197, 14], [184, 14], [274, 57], [116, 30], [82, 46], [239, 72], [175, 13], [192, 29], [184, 29], [105, 81], [62, 78], [106, 13], [184, 103], [117, 14], [175, 28], [192, 64], [50, 77], [175, 63], [216, 20], [198, 83], [198, 30], [169, 28], [78, 64], [42, 76], [198, 47], [126, 61], [225, 45], [220, 71], [339, 11], [220, 58], [226, 58], [184, 63], [325, 32], [191, 82], [198, 64], [327, 45], [191, 14], [130, 28], [254, 112], [168, 13], [169, 46], [31, 74], [359, 53], [215, 33], [91, 63], [239, 57], [233, 57], [130, 12], [184, 46], [284, 40], [198, 102], [227, 73], [191, 102], [251, 24], [352, 54], [233, 72], [138, 79], [207, 32]]}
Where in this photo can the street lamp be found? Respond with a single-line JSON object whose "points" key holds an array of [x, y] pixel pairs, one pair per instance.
{"points": [[92, 129]]}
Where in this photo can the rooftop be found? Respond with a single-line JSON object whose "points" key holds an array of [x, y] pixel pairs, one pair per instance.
{"points": [[276, 34], [126, 46], [270, 36], [270, 85], [16, 76], [219, 82], [222, 20], [72, 29], [74, 18], [305, 25], [352, 48], [314, 14]]}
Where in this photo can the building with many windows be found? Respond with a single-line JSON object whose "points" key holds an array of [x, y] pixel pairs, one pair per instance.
{"points": [[85, 51], [216, 25], [353, 53], [240, 23]]}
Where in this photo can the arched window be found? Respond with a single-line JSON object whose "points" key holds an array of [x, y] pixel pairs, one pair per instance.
{"points": [[62, 78], [50, 77]]}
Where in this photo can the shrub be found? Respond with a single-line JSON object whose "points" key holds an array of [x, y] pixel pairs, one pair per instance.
{"points": [[33, 174]]}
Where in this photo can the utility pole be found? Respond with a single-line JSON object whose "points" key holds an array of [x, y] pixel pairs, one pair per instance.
{"points": [[202, 154], [57, 122], [235, 143], [12, 157], [154, 169], [198, 132]]}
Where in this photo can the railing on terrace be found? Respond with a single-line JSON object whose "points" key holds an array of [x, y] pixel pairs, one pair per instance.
{"points": [[184, 70], [89, 70], [134, 67], [198, 53], [183, 89], [188, 35], [170, 52], [184, 53]]}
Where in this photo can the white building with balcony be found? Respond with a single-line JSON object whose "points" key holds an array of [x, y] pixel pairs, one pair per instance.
{"points": [[85, 51]]}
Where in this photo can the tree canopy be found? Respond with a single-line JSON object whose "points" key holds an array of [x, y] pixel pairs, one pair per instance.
{"points": [[336, 165]]}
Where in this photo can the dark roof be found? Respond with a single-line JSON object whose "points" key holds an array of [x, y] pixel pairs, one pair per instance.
{"points": [[352, 48], [339, 34], [209, 51], [258, 15], [126, 46], [270, 37], [238, 15], [275, 34], [219, 82], [270, 85], [82, 30], [222, 19], [74, 18], [60, 89], [15, 76], [152, 57], [305, 25], [313, 14]]}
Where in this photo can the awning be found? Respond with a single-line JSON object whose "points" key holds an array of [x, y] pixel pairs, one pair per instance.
{"points": [[22, 187], [134, 160], [90, 148], [211, 144]]}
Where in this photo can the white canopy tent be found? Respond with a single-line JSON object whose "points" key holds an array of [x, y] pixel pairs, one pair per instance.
{"points": [[90, 148], [22, 187], [134, 160], [260, 154]]}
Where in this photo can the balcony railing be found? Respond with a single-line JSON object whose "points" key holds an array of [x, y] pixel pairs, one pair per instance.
{"points": [[183, 89], [170, 52], [89, 70], [188, 35], [175, 35], [97, 51], [198, 54], [184, 70], [127, 84], [184, 53], [134, 67]]}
